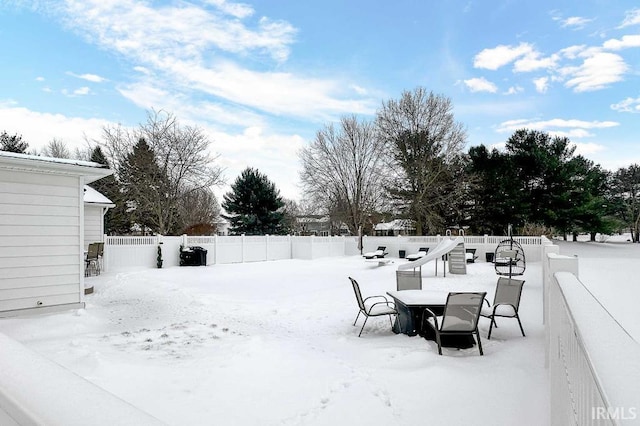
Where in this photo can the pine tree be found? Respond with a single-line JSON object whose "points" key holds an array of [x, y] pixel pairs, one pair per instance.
{"points": [[12, 143], [145, 190], [254, 205], [116, 220]]}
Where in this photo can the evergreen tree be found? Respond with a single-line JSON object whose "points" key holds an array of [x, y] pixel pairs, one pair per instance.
{"points": [[116, 220], [492, 192], [12, 143], [145, 191], [626, 188], [254, 205]]}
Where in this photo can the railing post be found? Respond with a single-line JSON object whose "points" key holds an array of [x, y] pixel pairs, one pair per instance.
{"points": [[557, 263]]}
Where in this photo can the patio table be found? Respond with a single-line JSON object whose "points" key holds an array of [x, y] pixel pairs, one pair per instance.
{"points": [[411, 304]]}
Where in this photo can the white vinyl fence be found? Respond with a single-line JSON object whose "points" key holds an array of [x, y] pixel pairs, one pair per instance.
{"points": [[482, 243], [123, 253], [594, 365]]}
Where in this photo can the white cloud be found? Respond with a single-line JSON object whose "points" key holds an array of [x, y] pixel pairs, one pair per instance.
{"points": [[238, 10], [81, 91], [575, 22], [571, 134], [169, 43], [142, 70], [136, 29], [501, 55], [572, 52], [39, 78], [599, 70], [276, 155], [626, 42], [587, 149], [38, 128], [532, 62], [627, 105], [542, 84], [557, 126], [632, 18], [89, 77], [513, 90], [273, 154], [147, 95], [480, 85], [359, 90]]}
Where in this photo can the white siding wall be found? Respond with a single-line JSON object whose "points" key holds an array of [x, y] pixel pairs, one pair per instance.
{"points": [[93, 224], [40, 226]]}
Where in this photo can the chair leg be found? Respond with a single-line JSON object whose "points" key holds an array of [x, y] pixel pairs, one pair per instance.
{"points": [[493, 321], [357, 316], [479, 342], [363, 324], [439, 344], [520, 324]]}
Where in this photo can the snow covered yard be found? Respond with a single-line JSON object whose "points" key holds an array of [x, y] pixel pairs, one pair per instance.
{"points": [[272, 343]]}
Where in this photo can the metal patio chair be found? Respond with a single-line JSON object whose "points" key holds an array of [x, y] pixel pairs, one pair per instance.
{"points": [[506, 302], [92, 262], [460, 318], [370, 308]]}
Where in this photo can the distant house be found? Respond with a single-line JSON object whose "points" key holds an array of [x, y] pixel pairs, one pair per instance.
{"points": [[95, 207], [320, 225], [222, 226], [42, 231], [396, 227]]}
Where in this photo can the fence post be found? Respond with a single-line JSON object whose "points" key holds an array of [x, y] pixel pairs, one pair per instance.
{"points": [[312, 249], [184, 240], [215, 249], [242, 245], [266, 247]]}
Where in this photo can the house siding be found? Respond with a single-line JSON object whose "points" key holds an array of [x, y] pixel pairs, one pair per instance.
{"points": [[40, 231], [93, 224]]}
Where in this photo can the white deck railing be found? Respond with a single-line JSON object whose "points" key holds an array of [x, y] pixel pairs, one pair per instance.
{"points": [[594, 365], [36, 391]]}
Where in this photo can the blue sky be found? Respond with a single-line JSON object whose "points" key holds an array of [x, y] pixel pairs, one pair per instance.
{"points": [[262, 77]]}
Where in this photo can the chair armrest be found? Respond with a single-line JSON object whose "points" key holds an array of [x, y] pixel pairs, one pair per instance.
{"points": [[431, 314], [386, 303], [375, 297]]}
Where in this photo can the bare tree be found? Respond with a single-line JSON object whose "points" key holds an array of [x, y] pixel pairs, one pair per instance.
{"points": [[199, 211], [342, 170], [181, 153], [426, 154], [56, 148]]}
